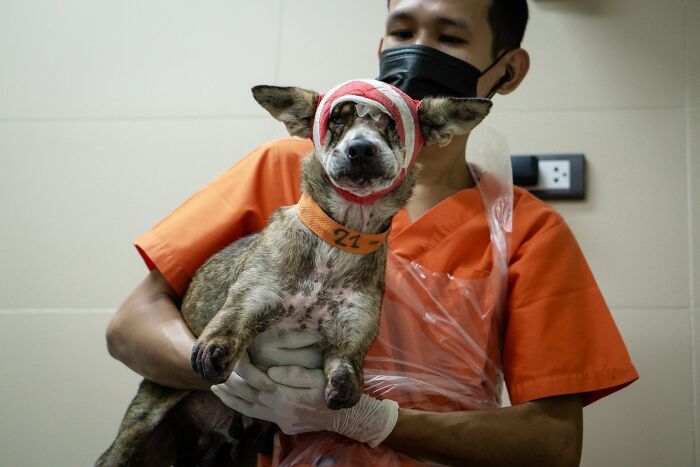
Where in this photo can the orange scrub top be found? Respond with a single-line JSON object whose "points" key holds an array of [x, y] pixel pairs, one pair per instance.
{"points": [[559, 335]]}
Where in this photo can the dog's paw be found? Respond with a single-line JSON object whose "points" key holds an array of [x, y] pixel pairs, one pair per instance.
{"points": [[213, 360], [343, 389]]}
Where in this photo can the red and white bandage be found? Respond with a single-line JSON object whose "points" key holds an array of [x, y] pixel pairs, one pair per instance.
{"points": [[375, 95]]}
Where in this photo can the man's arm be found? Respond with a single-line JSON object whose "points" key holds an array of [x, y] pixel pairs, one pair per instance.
{"points": [[547, 431], [148, 334]]}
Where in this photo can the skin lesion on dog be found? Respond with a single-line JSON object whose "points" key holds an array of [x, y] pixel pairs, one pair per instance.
{"points": [[286, 278]]}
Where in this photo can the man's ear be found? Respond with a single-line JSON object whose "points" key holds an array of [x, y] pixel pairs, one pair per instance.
{"points": [[295, 107], [442, 118]]}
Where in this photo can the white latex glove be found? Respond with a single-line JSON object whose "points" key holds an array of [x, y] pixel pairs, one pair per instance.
{"points": [[292, 398], [298, 348]]}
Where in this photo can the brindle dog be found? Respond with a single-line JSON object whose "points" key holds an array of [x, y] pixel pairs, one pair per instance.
{"points": [[287, 278]]}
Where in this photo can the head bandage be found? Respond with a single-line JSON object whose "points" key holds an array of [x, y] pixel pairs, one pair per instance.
{"points": [[372, 98]]}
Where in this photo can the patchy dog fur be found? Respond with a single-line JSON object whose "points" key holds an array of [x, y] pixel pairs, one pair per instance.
{"points": [[286, 278]]}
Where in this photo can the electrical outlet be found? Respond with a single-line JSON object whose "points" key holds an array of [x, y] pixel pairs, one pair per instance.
{"points": [[554, 175]]}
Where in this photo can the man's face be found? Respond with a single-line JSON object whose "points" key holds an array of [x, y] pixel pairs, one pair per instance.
{"points": [[457, 27]]}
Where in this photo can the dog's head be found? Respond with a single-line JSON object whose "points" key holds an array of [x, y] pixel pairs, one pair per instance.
{"points": [[366, 140]]}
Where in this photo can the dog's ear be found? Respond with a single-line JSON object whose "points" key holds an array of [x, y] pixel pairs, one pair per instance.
{"points": [[295, 107], [442, 118]]}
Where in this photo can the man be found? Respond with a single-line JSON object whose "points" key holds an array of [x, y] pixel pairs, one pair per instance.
{"points": [[561, 349]]}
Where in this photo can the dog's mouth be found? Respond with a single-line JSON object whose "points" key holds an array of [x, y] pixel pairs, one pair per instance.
{"points": [[362, 186], [360, 176]]}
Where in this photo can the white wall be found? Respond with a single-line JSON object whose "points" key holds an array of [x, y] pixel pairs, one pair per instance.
{"points": [[112, 113]]}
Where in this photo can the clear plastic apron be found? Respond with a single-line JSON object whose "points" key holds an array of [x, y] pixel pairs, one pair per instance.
{"points": [[440, 337]]}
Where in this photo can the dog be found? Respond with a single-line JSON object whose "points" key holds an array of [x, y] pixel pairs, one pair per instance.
{"points": [[297, 273]]}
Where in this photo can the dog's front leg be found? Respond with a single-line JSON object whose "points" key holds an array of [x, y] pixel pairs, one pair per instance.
{"points": [[244, 315], [347, 336]]}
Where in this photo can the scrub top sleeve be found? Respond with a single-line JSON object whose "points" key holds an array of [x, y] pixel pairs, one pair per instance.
{"points": [[236, 204], [560, 336]]}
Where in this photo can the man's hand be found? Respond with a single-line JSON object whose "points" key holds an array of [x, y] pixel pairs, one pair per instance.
{"points": [[292, 397]]}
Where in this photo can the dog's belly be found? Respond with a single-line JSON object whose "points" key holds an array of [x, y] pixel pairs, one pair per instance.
{"points": [[310, 305]]}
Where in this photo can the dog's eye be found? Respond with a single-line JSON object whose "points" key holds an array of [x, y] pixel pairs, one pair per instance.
{"points": [[337, 121]]}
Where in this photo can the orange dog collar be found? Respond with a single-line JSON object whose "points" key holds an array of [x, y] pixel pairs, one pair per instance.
{"points": [[335, 234]]}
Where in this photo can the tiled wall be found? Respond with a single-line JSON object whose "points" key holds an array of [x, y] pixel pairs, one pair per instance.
{"points": [[112, 113]]}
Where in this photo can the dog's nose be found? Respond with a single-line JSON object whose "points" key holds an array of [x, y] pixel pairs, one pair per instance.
{"points": [[360, 150]]}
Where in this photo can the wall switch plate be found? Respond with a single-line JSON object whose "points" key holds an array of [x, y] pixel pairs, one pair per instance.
{"points": [[560, 176], [525, 170]]}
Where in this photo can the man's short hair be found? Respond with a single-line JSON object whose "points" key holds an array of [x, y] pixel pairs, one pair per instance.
{"points": [[507, 19]]}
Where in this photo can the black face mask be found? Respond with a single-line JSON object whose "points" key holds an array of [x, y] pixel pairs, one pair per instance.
{"points": [[422, 71]]}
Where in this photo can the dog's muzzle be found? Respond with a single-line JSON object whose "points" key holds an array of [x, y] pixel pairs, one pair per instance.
{"points": [[360, 163]]}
